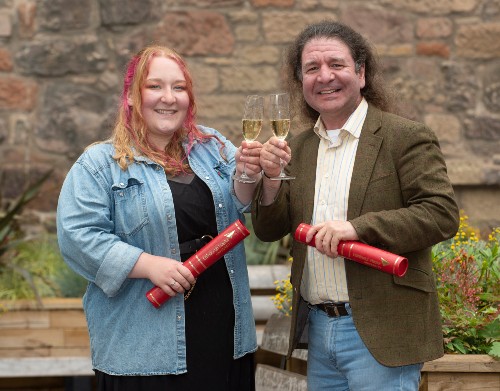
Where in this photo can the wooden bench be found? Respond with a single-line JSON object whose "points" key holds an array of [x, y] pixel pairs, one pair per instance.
{"points": [[273, 372]]}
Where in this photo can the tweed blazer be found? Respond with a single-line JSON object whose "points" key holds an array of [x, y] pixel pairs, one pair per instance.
{"points": [[400, 200]]}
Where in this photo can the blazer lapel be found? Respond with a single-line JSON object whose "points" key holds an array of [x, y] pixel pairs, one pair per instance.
{"points": [[308, 176], [366, 156]]}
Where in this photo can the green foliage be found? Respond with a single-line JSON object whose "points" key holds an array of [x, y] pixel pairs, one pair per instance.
{"points": [[264, 253], [32, 267], [468, 276], [35, 269], [283, 298], [9, 230]]}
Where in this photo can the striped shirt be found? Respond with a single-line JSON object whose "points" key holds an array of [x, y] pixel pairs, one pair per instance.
{"points": [[324, 278]]}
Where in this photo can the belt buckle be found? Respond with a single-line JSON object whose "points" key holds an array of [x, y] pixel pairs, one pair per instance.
{"points": [[336, 310], [207, 237]]}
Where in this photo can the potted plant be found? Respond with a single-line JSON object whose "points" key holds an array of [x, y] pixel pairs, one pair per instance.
{"points": [[31, 266], [40, 297], [468, 281]]}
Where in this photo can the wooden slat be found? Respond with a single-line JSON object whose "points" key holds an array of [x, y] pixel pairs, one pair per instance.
{"points": [[31, 338], [47, 303], [263, 308], [70, 352], [67, 318], [76, 338], [463, 363], [24, 320], [454, 381], [262, 277], [276, 335], [269, 378], [24, 352], [45, 366]]}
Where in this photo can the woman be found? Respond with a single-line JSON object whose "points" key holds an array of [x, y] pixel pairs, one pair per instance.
{"points": [[131, 209]]}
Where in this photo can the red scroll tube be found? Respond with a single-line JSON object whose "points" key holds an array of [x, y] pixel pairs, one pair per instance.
{"points": [[362, 253], [205, 257]]}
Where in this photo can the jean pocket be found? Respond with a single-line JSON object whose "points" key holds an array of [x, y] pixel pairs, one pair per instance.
{"points": [[130, 207]]}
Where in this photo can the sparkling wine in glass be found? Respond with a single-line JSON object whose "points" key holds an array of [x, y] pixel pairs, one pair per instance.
{"points": [[251, 126], [279, 114]]}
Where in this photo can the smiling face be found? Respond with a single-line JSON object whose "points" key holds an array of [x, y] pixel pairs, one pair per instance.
{"points": [[330, 83], [165, 100]]}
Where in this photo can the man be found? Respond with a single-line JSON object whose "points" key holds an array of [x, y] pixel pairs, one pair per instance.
{"points": [[361, 174]]}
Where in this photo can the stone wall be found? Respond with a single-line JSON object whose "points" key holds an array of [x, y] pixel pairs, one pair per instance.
{"points": [[61, 64]]}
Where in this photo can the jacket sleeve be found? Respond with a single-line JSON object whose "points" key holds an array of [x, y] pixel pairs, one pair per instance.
{"points": [[85, 231]]}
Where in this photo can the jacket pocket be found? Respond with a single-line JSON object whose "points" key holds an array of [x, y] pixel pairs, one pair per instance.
{"points": [[417, 279], [130, 207], [223, 170]]}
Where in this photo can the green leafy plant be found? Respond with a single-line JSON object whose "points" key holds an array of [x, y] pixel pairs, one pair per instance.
{"points": [[35, 269], [9, 229], [283, 298], [467, 273], [31, 267], [265, 253], [468, 281]]}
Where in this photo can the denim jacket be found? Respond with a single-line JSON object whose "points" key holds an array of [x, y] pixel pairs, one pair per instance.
{"points": [[106, 218]]}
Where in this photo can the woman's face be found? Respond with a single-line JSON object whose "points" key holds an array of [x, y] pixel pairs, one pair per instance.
{"points": [[165, 100]]}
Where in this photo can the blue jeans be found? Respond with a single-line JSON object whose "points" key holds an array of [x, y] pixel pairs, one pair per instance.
{"points": [[338, 360]]}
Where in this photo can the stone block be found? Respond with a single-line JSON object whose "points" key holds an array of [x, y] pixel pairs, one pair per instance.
{"points": [[447, 127], [26, 19], [195, 33], [18, 93], [379, 25], [272, 3], [434, 27], [249, 79], [61, 56], [283, 26], [432, 7], [57, 15], [72, 117], [478, 41], [5, 60], [5, 25], [124, 12], [439, 49]]}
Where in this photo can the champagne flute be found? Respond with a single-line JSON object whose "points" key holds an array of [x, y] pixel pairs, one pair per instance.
{"points": [[252, 125], [279, 114]]}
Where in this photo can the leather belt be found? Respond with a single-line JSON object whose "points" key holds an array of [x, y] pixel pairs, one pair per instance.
{"points": [[333, 310], [191, 246]]}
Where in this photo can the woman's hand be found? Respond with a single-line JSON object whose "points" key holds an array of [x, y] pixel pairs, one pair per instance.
{"points": [[248, 157], [168, 274]]}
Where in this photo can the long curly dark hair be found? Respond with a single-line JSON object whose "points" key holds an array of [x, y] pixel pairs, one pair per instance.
{"points": [[374, 90]]}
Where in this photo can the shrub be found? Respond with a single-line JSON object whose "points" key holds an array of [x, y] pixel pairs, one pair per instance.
{"points": [[468, 275]]}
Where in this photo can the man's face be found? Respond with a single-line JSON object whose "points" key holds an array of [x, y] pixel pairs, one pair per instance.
{"points": [[330, 83]]}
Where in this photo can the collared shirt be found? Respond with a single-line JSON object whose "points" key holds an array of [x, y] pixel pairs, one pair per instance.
{"points": [[106, 217], [324, 278]]}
